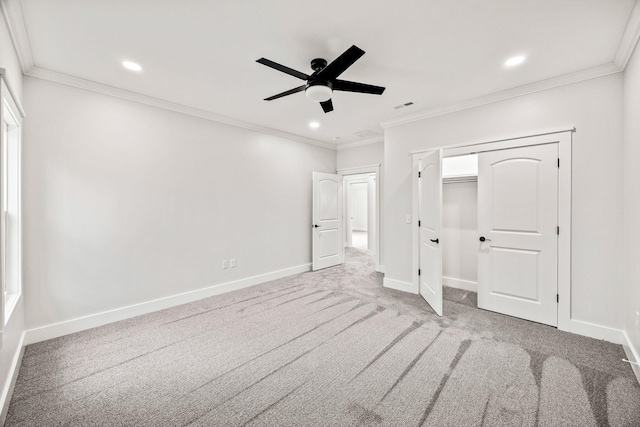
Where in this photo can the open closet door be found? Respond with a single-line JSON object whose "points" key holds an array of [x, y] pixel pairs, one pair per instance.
{"points": [[430, 224], [327, 242]]}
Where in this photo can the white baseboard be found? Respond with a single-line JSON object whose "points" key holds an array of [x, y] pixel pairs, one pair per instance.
{"points": [[466, 285], [592, 330], [7, 388], [380, 268], [87, 322], [399, 285], [632, 355]]}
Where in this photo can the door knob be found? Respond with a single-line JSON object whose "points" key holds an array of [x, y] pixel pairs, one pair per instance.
{"points": [[316, 226], [435, 240], [482, 239]]}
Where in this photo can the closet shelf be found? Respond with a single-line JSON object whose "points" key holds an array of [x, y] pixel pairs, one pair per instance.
{"points": [[459, 178]]}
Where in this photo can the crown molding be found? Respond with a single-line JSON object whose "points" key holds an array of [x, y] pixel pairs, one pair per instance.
{"points": [[65, 79], [566, 79], [13, 17], [629, 38], [360, 143]]}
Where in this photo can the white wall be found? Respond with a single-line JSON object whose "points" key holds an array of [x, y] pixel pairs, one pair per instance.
{"points": [[359, 206], [125, 203], [632, 200], [594, 107], [364, 155], [12, 333], [460, 235], [458, 166]]}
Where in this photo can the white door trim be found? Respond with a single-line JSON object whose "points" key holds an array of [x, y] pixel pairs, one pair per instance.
{"points": [[348, 181], [563, 138], [512, 141], [375, 169]]}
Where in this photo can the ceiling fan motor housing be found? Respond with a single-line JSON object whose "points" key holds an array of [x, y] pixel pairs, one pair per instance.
{"points": [[318, 90], [318, 64]]}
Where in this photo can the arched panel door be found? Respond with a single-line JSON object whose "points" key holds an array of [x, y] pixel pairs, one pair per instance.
{"points": [[517, 223], [327, 222], [430, 195]]}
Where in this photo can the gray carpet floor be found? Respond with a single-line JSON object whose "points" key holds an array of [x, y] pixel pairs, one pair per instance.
{"points": [[326, 348]]}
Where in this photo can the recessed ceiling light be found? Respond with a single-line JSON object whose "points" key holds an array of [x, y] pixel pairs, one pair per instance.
{"points": [[131, 66], [314, 125], [514, 61]]}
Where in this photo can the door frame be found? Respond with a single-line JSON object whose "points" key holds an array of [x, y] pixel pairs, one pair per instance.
{"points": [[564, 139], [370, 169], [348, 181]]}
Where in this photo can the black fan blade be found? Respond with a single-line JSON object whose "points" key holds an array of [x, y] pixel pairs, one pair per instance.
{"points": [[287, 70], [327, 106], [341, 63], [346, 86], [289, 92]]}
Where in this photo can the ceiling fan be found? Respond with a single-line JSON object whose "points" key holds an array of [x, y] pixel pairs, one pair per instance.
{"points": [[320, 85]]}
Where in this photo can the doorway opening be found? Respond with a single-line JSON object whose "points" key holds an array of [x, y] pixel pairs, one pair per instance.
{"points": [[359, 192], [361, 210], [331, 232], [460, 222]]}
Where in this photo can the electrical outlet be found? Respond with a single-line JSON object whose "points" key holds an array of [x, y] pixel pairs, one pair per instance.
{"points": [[225, 264], [408, 219], [232, 263]]}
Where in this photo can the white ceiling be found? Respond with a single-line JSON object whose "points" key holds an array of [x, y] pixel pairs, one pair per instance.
{"points": [[436, 53]]}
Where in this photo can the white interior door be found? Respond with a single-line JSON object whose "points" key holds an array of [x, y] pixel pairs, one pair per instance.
{"points": [[517, 223], [430, 194], [327, 232]]}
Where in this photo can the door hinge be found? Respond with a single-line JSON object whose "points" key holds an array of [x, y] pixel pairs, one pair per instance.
{"points": [[558, 161], [418, 272], [419, 223], [557, 297], [558, 230], [419, 174]]}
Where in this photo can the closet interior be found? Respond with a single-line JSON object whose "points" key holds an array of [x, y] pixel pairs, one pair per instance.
{"points": [[460, 222]]}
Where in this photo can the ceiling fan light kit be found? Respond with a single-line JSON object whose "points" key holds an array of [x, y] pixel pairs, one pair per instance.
{"points": [[319, 86], [319, 91]]}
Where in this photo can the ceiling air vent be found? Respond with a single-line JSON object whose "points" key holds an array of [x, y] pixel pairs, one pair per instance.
{"points": [[406, 104], [367, 133]]}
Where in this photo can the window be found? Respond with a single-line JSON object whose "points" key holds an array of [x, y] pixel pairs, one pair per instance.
{"points": [[10, 226]]}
